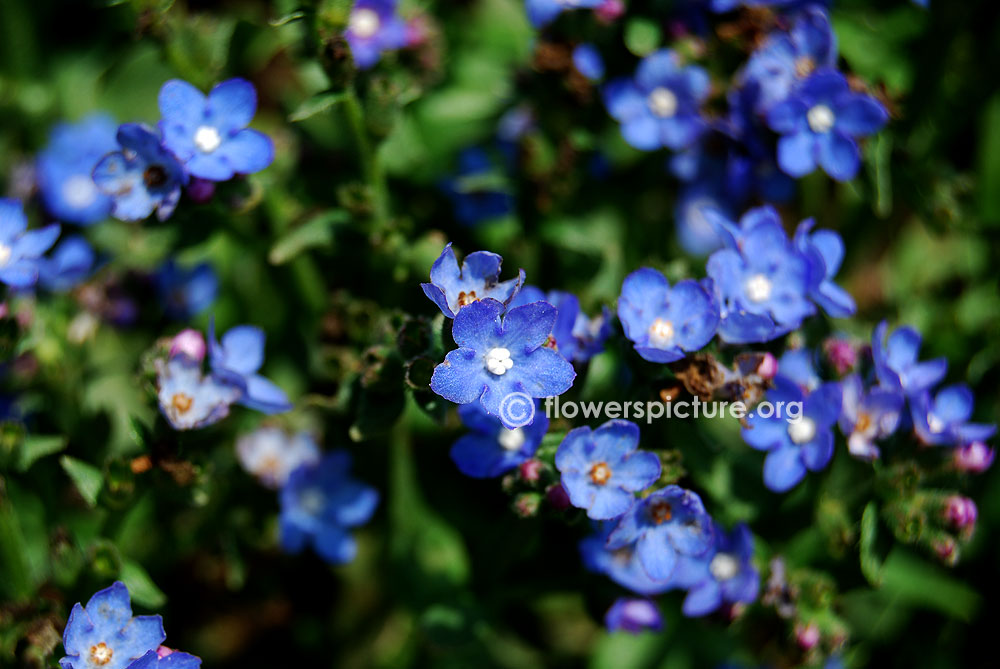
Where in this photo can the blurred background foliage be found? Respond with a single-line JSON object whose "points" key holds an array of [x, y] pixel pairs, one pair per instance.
{"points": [[447, 575]]}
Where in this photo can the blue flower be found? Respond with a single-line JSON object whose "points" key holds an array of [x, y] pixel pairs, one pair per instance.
{"points": [[659, 107], [210, 134], [141, 178], [373, 29], [867, 417], [588, 62], [633, 616], [695, 231], [621, 565], [543, 12], [104, 634], [478, 193], [663, 526], [896, 361], [724, 574], [71, 263], [186, 292], [501, 361], [65, 168], [729, 5], [799, 367], [825, 251], [602, 469], [491, 449], [663, 322], [271, 454], [452, 288], [237, 359], [819, 123], [774, 70], [945, 419], [189, 400], [170, 659], [794, 445], [761, 278], [320, 503], [21, 249], [577, 337]]}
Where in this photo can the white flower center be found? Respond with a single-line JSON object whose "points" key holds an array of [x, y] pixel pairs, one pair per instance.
{"points": [[207, 139], [935, 424], [364, 22], [498, 361], [312, 501], [662, 102], [79, 191], [820, 119], [661, 333], [802, 430], [511, 440], [5, 253], [758, 288], [101, 654], [723, 567]]}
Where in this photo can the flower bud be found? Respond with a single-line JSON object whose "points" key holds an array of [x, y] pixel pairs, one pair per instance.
{"points": [[201, 190], [841, 353], [557, 497], [530, 470], [768, 367], [527, 504], [807, 636], [633, 615], [974, 458], [960, 512], [189, 343], [610, 10]]}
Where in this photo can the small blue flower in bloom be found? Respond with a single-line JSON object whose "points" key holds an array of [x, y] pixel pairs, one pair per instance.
{"points": [[320, 503], [695, 231], [663, 526], [621, 565], [491, 449], [186, 292], [271, 454], [21, 249], [70, 264], [543, 12], [452, 288], [237, 359], [819, 123], [66, 165], [896, 361], [776, 68], [588, 62], [633, 616], [867, 417], [478, 192], [209, 135], [663, 322], [189, 400], [659, 107], [795, 445], [577, 337], [723, 575], [373, 29], [104, 634], [502, 363], [825, 251], [602, 469], [945, 419], [761, 278], [142, 177], [164, 658]]}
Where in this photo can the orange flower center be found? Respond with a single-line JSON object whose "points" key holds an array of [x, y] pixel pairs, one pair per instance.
{"points": [[660, 511], [600, 473], [101, 654], [465, 298], [182, 402]]}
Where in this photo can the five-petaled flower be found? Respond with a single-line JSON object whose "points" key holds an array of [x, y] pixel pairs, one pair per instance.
{"points": [[65, 168], [602, 469], [237, 359], [944, 420], [372, 29], [452, 288], [897, 363], [271, 454], [498, 358], [868, 416], [21, 249], [190, 400], [209, 134], [663, 322], [724, 574], [633, 616]]}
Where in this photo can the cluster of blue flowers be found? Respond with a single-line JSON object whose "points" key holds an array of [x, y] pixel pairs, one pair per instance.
{"points": [[105, 634]]}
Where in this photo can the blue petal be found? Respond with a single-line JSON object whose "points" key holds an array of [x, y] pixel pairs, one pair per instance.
{"points": [[703, 599], [861, 115], [335, 545], [12, 219], [243, 349], [954, 404], [181, 103], [816, 454], [783, 469], [639, 471], [608, 502], [657, 557], [247, 152], [34, 243], [656, 69], [461, 378], [140, 635], [797, 154], [264, 396], [232, 105], [528, 327], [765, 434], [838, 155], [642, 132], [544, 373], [477, 325], [110, 608]]}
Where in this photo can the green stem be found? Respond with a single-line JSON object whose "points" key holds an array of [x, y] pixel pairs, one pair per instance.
{"points": [[371, 167]]}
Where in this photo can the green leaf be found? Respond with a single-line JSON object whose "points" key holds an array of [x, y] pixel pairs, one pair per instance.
{"points": [[871, 565], [87, 478], [316, 232], [920, 583], [16, 580], [141, 586], [317, 104], [36, 447], [989, 162]]}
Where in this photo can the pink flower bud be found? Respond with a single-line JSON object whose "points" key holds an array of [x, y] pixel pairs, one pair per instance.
{"points": [[768, 367], [960, 512], [557, 497], [531, 470], [807, 636], [163, 651], [974, 458], [842, 354], [610, 10], [189, 343], [947, 550]]}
